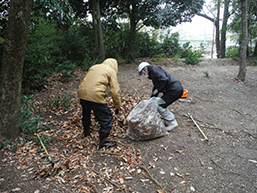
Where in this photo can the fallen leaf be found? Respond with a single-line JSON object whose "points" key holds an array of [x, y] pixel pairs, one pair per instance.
{"points": [[192, 188], [162, 172], [160, 191], [144, 180], [16, 189], [121, 180], [152, 164]]}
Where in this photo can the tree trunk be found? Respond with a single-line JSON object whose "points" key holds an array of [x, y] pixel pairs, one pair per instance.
{"points": [[12, 65], [217, 24], [224, 29], [93, 4], [100, 32], [130, 49], [244, 43]]}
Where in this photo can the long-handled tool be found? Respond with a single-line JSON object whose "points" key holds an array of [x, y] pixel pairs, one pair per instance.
{"points": [[205, 138], [49, 158]]}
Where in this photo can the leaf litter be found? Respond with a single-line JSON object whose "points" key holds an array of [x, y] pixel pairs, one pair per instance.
{"points": [[76, 154]]}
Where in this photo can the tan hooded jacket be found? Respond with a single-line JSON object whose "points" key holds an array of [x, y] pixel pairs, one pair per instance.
{"points": [[97, 80]]}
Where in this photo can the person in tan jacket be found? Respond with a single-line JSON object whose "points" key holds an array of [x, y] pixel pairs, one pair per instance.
{"points": [[92, 93]]}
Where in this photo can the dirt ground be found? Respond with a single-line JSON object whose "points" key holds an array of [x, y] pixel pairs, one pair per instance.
{"points": [[180, 162]]}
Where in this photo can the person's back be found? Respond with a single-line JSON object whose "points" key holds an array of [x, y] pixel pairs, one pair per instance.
{"points": [[97, 80]]}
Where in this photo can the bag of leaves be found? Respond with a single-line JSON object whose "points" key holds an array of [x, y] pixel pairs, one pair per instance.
{"points": [[144, 121]]}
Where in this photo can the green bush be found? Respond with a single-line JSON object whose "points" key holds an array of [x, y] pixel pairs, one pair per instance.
{"points": [[185, 49], [232, 52], [62, 100], [253, 63], [147, 46], [66, 69], [41, 55], [158, 57], [170, 46], [193, 57], [29, 125]]}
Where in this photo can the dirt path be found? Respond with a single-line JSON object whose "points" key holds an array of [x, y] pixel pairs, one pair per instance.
{"points": [[181, 161], [227, 113]]}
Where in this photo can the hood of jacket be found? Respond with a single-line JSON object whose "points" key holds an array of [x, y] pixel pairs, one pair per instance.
{"points": [[98, 79], [112, 63]]}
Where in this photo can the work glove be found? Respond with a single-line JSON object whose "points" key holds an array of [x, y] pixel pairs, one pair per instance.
{"points": [[117, 111], [155, 93]]}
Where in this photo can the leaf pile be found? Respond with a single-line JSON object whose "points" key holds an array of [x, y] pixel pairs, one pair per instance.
{"points": [[78, 159]]}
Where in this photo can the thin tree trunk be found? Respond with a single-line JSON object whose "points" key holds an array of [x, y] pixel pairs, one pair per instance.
{"points": [[12, 65], [224, 29], [244, 43], [100, 32], [130, 49], [93, 4], [217, 24]]}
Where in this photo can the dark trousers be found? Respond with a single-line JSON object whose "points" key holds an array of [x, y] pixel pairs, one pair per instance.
{"points": [[102, 114], [172, 95]]}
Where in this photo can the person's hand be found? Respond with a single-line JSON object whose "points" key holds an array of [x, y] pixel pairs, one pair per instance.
{"points": [[155, 93], [117, 111]]}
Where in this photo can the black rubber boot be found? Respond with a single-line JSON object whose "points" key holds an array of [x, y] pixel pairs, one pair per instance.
{"points": [[104, 142], [87, 131]]}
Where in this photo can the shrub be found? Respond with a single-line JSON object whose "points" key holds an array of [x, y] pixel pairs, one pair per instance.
{"points": [[232, 52], [62, 100], [193, 57], [253, 63], [29, 126], [170, 45], [158, 57]]}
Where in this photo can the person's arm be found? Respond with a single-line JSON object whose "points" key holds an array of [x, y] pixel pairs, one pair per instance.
{"points": [[115, 90], [155, 92]]}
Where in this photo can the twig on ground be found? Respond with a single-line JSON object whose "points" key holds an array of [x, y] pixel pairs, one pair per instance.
{"points": [[128, 145], [151, 177], [114, 184], [252, 135], [223, 168]]}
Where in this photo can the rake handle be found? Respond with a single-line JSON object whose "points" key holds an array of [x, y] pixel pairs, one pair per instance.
{"points": [[50, 159], [197, 126]]}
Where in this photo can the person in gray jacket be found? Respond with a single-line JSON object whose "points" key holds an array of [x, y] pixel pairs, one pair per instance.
{"points": [[163, 82]]}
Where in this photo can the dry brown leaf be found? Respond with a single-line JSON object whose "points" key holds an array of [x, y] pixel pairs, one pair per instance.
{"points": [[160, 191]]}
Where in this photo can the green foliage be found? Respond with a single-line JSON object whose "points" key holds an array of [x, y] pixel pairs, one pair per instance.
{"points": [[29, 123], [50, 51], [233, 52], [29, 126], [42, 50], [185, 49], [158, 57], [147, 46], [206, 74], [193, 57], [253, 63], [170, 45], [66, 69], [62, 100]]}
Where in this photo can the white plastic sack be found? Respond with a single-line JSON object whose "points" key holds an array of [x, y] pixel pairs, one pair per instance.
{"points": [[144, 121]]}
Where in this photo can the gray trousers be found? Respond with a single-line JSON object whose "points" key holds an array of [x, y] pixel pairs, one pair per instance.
{"points": [[165, 112]]}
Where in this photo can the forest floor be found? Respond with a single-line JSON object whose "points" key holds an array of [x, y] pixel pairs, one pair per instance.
{"points": [[181, 162]]}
